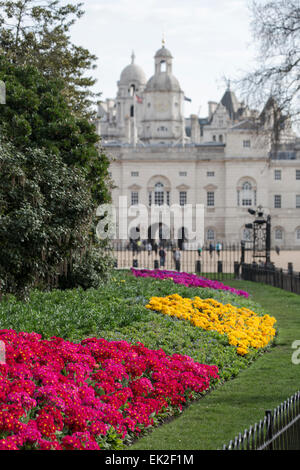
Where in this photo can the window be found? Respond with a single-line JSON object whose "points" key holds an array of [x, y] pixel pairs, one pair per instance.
{"points": [[220, 138], [210, 234], [210, 174], [247, 235], [277, 174], [214, 137], [246, 143], [277, 201], [278, 234], [297, 201], [298, 234], [168, 198], [182, 173], [134, 173], [182, 198], [163, 66], [131, 90], [134, 198], [248, 195], [159, 194], [210, 199], [297, 174]]}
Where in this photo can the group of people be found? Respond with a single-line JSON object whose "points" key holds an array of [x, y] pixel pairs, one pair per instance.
{"points": [[137, 246], [160, 250]]}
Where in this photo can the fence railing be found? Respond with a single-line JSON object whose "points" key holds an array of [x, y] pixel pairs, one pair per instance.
{"points": [[278, 430], [284, 279], [218, 263]]}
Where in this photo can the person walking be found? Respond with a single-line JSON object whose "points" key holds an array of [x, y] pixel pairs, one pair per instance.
{"points": [[162, 257], [177, 257], [218, 248]]}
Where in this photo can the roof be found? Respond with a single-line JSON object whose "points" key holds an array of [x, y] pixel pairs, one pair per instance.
{"points": [[133, 73], [164, 53], [231, 103], [163, 81]]}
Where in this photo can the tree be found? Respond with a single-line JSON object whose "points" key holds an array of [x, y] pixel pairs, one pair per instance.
{"points": [[46, 213], [36, 115], [276, 29], [36, 32]]}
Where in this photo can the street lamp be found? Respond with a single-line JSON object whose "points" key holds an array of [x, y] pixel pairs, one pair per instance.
{"points": [[261, 227]]}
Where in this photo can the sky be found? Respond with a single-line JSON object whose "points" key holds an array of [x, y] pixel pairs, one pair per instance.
{"points": [[210, 41]]}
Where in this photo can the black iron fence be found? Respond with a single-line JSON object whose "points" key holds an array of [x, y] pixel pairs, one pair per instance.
{"points": [[284, 279], [278, 430], [220, 261]]}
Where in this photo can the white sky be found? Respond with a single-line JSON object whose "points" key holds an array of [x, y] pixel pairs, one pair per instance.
{"points": [[209, 40]]}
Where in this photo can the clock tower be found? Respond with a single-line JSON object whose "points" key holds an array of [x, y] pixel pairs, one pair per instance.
{"points": [[163, 120]]}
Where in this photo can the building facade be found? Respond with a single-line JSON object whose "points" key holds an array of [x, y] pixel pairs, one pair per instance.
{"points": [[223, 161]]}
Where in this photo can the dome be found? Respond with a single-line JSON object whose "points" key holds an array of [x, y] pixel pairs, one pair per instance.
{"points": [[163, 52], [132, 73], [163, 82]]}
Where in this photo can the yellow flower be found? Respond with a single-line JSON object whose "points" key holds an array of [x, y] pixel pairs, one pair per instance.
{"points": [[243, 327]]}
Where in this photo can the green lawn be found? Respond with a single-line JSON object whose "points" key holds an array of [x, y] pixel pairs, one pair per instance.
{"points": [[117, 311], [220, 416]]}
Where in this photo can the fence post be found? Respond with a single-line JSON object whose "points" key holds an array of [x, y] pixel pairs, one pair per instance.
{"points": [[236, 269], [220, 267], [198, 266], [290, 268], [156, 265], [269, 435]]}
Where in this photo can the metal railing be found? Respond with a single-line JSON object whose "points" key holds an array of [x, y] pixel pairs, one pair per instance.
{"points": [[220, 264], [278, 430], [284, 279]]}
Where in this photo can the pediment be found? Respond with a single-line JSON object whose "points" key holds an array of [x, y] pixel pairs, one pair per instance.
{"points": [[134, 187], [210, 187]]}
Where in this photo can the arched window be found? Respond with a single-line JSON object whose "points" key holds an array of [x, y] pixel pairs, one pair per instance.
{"points": [[278, 234], [159, 191], [131, 90], [247, 235], [163, 66], [210, 234], [159, 194], [246, 194]]}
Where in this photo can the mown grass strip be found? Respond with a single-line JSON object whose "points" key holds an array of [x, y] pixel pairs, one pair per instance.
{"points": [[222, 414]]}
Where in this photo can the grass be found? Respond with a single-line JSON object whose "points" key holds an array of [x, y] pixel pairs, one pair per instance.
{"points": [[117, 311], [221, 415]]}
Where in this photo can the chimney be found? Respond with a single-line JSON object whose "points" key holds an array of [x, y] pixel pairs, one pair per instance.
{"points": [[195, 129], [212, 106]]}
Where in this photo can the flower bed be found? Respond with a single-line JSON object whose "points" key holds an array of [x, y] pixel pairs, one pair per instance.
{"points": [[186, 279], [55, 394], [243, 327]]}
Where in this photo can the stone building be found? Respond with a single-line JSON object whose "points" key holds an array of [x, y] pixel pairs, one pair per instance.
{"points": [[224, 161]]}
